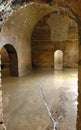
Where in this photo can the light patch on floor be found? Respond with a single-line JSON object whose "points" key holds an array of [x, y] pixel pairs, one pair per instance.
{"points": [[24, 108]]}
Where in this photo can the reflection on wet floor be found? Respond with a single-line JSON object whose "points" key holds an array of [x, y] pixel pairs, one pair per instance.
{"points": [[24, 108]]}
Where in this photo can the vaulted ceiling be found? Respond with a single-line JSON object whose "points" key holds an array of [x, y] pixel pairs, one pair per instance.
{"points": [[23, 21], [74, 5]]}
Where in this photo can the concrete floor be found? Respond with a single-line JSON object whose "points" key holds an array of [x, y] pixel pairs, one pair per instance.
{"points": [[24, 107]]}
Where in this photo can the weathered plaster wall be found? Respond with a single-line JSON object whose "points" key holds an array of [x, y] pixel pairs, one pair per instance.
{"points": [[55, 32], [43, 54], [17, 32]]}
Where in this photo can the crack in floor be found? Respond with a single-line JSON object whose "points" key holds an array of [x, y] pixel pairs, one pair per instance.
{"points": [[39, 97], [57, 112]]}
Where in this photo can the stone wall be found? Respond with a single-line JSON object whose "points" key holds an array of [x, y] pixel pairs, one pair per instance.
{"points": [[17, 32], [43, 54], [23, 55], [55, 32]]}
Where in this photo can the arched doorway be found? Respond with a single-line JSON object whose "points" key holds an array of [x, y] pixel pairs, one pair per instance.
{"points": [[58, 60], [9, 61]]}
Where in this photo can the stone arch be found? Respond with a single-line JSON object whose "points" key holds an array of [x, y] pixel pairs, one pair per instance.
{"points": [[46, 38], [9, 61]]}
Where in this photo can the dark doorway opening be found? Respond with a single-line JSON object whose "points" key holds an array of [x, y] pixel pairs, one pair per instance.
{"points": [[9, 61]]}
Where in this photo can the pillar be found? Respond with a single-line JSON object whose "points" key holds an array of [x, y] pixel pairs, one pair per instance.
{"points": [[79, 80], [2, 126]]}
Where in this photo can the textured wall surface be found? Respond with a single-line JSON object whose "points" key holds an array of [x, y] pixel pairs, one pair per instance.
{"points": [[43, 54], [52, 33], [19, 35]]}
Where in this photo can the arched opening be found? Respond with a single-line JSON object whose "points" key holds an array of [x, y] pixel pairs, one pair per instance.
{"points": [[9, 61], [59, 32], [58, 60], [55, 32]]}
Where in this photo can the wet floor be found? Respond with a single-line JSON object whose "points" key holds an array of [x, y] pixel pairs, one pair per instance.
{"points": [[25, 109]]}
